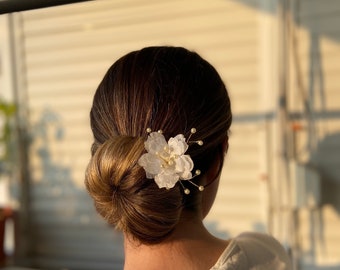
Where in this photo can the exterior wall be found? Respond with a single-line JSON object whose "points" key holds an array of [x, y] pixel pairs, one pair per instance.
{"points": [[315, 81], [5, 59], [64, 52]]}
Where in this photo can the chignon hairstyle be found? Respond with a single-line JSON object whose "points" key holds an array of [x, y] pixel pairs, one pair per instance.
{"points": [[162, 88]]}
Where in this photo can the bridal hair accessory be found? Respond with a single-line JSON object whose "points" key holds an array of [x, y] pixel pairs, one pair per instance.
{"points": [[166, 162]]}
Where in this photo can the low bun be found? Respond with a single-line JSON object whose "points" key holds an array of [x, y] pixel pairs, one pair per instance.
{"points": [[123, 195]]}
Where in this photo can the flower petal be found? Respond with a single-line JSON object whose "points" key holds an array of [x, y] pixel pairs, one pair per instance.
{"points": [[178, 145], [155, 143], [184, 166], [151, 164], [166, 180]]}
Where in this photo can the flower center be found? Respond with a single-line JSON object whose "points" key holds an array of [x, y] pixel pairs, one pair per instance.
{"points": [[168, 157]]}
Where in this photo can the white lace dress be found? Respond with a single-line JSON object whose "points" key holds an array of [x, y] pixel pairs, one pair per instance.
{"points": [[253, 251]]}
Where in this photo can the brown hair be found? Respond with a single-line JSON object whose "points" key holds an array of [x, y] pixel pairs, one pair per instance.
{"points": [[167, 88]]}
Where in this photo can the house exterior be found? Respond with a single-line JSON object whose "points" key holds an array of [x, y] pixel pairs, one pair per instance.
{"points": [[279, 60]]}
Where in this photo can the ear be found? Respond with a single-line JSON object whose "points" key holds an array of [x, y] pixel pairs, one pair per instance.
{"points": [[212, 178], [225, 146], [215, 170]]}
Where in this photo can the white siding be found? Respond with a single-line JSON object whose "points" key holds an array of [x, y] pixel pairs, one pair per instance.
{"points": [[66, 51], [317, 63]]}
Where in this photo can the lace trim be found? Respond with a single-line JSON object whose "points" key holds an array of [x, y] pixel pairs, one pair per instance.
{"points": [[233, 260], [236, 259]]}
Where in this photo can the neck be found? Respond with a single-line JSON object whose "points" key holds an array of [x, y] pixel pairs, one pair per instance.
{"points": [[186, 248]]}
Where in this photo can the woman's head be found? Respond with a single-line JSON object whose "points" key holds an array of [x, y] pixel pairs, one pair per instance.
{"points": [[161, 88]]}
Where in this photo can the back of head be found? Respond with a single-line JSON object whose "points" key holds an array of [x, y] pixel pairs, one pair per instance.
{"points": [[161, 88]]}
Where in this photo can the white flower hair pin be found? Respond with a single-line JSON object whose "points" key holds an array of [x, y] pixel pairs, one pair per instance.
{"points": [[166, 162]]}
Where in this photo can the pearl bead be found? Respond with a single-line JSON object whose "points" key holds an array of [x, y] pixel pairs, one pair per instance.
{"points": [[193, 130], [148, 130], [186, 191], [201, 188], [200, 143], [197, 172]]}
